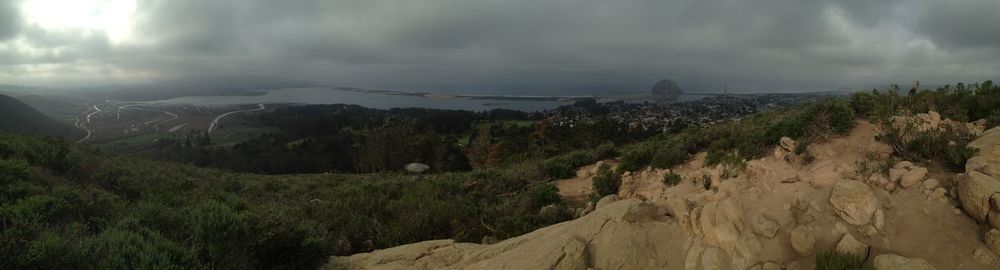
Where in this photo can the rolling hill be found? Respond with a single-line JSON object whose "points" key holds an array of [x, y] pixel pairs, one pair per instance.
{"points": [[15, 116]]}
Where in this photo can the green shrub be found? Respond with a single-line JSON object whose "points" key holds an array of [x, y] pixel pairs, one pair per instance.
{"points": [[121, 249], [833, 260], [993, 120], [543, 194], [606, 182], [559, 168], [565, 166], [671, 179], [947, 145]]}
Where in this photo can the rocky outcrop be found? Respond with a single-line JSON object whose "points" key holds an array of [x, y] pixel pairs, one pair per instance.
{"points": [[667, 89], [627, 234], [896, 262], [979, 188], [853, 201]]}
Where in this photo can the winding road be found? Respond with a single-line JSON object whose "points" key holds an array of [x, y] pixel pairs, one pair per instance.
{"points": [[215, 122], [81, 125]]}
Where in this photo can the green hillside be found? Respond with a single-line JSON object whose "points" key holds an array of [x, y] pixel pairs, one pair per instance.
{"points": [[67, 207], [15, 116]]}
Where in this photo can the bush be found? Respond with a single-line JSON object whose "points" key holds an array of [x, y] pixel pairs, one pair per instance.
{"points": [[833, 260], [993, 120], [671, 179], [606, 182], [947, 145], [565, 166]]}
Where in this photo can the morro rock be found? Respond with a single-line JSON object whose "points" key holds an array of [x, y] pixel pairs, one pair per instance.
{"points": [[667, 89]]}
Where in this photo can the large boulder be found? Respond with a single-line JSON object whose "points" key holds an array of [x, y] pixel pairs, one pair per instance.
{"points": [[974, 192], [667, 89], [896, 262], [853, 201], [988, 159]]}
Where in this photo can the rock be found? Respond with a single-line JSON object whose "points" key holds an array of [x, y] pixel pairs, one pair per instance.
{"points": [[992, 240], [853, 201], [995, 201], [586, 209], [770, 266], [974, 192], [606, 201], [994, 218], [984, 256], [868, 231], [667, 88], [896, 262], [912, 177], [417, 167], [939, 192], [788, 144], [896, 174], [981, 164], [903, 165], [879, 220], [850, 245], [803, 240], [890, 187], [986, 161], [710, 258], [879, 179], [790, 179], [765, 225], [931, 183]]}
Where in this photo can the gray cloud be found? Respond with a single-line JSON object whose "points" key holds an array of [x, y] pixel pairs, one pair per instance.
{"points": [[973, 23], [530, 46], [10, 19]]}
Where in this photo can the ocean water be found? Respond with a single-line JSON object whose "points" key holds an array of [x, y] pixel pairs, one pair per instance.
{"points": [[322, 95], [316, 95]]}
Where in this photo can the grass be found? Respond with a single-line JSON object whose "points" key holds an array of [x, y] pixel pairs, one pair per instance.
{"points": [[833, 260]]}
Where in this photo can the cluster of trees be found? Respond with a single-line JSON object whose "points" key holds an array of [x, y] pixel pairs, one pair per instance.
{"points": [[342, 138], [64, 207], [350, 138]]}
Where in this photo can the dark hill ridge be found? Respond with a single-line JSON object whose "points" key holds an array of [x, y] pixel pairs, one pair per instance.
{"points": [[15, 116]]}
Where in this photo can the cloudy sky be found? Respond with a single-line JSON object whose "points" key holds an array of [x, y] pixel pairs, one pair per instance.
{"points": [[504, 45]]}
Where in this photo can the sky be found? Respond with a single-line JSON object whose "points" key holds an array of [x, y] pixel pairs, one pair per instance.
{"points": [[504, 46]]}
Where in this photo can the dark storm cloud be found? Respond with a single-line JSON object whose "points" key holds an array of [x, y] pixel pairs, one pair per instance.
{"points": [[974, 23], [555, 46]]}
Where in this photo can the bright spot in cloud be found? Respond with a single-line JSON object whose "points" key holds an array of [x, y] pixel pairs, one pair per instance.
{"points": [[113, 17]]}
